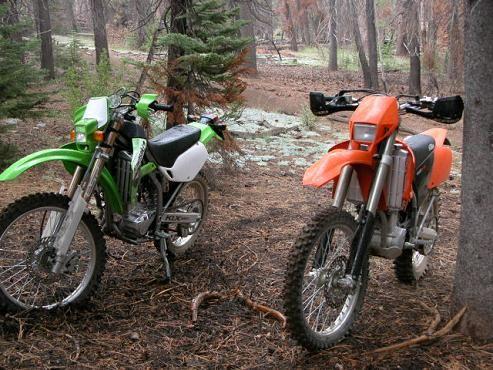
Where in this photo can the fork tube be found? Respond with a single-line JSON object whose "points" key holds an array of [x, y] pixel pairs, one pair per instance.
{"points": [[342, 187], [75, 181], [364, 232]]}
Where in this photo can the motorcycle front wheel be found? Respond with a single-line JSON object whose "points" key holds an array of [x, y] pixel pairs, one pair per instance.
{"points": [[320, 311], [28, 229]]}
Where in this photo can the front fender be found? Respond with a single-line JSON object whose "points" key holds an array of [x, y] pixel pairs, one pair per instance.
{"points": [[70, 159], [330, 165]]}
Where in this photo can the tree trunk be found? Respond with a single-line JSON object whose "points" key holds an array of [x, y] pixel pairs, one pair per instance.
{"points": [[332, 36], [71, 15], [291, 29], [372, 43], [402, 16], [455, 47], [178, 9], [47, 62], [150, 54], [248, 31], [359, 44], [140, 7], [303, 22], [36, 16], [414, 49], [99, 25], [473, 283]]}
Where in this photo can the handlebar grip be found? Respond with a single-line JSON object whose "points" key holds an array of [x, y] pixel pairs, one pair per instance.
{"points": [[418, 112], [161, 107]]}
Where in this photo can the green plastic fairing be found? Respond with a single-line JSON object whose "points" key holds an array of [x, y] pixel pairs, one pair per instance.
{"points": [[71, 158], [206, 132], [143, 105]]}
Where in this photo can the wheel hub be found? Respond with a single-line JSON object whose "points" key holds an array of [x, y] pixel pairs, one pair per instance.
{"points": [[334, 292]]}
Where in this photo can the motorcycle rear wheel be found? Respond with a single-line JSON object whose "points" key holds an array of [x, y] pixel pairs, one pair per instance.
{"points": [[193, 197], [27, 231], [319, 312]]}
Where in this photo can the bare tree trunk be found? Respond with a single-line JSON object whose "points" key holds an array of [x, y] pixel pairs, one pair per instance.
{"points": [[99, 25], [473, 283], [359, 44], [332, 36], [372, 43], [150, 54], [402, 16], [36, 16], [414, 48], [47, 62], [71, 15], [140, 7], [178, 9], [303, 22], [248, 31], [291, 29], [455, 47]]}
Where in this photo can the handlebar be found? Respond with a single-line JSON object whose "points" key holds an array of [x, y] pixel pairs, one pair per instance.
{"points": [[445, 110], [161, 107]]}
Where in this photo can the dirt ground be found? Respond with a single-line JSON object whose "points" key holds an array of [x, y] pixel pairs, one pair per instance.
{"points": [[255, 215]]}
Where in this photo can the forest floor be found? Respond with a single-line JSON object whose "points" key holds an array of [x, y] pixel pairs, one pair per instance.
{"points": [[256, 212]]}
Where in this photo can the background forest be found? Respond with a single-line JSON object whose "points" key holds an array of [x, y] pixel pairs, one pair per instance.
{"points": [[253, 62]]}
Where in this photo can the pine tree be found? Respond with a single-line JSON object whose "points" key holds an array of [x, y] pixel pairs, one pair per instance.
{"points": [[16, 76], [205, 71]]}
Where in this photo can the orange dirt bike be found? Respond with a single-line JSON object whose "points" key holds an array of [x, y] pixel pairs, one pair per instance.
{"points": [[393, 185]]}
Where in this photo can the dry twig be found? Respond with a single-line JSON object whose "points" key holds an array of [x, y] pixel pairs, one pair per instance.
{"points": [[425, 338], [197, 301]]}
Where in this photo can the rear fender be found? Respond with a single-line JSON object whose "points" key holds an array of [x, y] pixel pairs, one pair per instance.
{"points": [[329, 167], [442, 162], [71, 159]]}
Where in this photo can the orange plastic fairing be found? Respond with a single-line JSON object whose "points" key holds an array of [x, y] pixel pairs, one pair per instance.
{"points": [[330, 165], [442, 162]]}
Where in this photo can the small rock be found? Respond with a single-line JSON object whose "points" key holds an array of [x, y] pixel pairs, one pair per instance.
{"points": [[10, 121], [338, 366], [41, 125], [134, 336]]}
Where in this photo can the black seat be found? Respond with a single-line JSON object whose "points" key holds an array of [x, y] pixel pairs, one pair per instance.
{"points": [[423, 147], [169, 145]]}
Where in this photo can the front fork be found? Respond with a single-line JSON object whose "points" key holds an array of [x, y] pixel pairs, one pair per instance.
{"points": [[364, 232], [80, 196]]}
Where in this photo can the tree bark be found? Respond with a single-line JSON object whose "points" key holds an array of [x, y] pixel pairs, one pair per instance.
{"points": [[414, 49], [402, 15], [372, 44], [291, 29], [303, 22], [178, 9], [47, 62], [140, 7], [71, 15], [99, 25], [473, 283], [248, 31], [455, 46], [332, 36], [359, 44]]}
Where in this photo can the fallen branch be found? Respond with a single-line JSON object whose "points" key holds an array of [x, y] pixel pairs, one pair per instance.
{"points": [[204, 296], [425, 338], [197, 301], [261, 308]]}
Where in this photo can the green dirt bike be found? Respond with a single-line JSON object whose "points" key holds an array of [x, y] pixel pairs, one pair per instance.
{"points": [[52, 250]]}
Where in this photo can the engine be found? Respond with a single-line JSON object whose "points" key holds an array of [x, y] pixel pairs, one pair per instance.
{"points": [[138, 216]]}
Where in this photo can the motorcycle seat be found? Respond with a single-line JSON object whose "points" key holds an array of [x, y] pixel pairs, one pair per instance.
{"points": [[169, 145], [423, 147]]}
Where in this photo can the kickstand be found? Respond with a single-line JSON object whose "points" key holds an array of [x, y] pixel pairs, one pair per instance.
{"points": [[164, 254]]}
